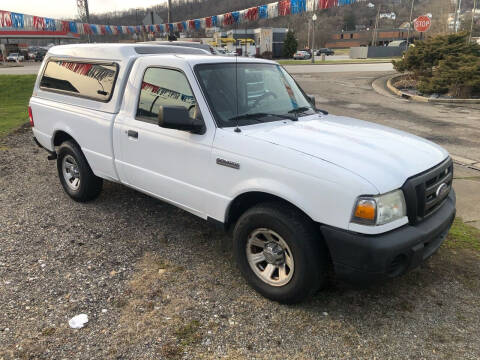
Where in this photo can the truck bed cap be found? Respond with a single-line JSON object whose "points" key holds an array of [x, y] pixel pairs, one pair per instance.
{"points": [[118, 52]]}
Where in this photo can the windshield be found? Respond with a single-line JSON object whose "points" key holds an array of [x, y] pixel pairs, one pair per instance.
{"points": [[264, 92]]}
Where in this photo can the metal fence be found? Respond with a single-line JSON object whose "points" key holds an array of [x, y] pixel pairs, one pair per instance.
{"points": [[365, 52]]}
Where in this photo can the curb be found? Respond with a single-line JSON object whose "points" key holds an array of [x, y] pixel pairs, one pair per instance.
{"points": [[424, 99], [378, 86], [469, 163], [10, 65]]}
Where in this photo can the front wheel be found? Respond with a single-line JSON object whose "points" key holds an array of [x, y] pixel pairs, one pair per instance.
{"points": [[76, 176], [280, 252]]}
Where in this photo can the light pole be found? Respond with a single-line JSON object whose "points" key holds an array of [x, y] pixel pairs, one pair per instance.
{"points": [[410, 24], [314, 18]]}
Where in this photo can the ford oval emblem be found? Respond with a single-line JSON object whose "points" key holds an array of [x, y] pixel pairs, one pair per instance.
{"points": [[441, 190]]}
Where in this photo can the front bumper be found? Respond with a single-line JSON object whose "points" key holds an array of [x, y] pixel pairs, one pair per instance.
{"points": [[362, 259]]}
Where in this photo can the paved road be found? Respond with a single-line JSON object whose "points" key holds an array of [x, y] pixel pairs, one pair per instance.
{"points": [[313, 69], [27, 68]]}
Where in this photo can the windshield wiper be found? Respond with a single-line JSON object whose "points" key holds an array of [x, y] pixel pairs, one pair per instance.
{"points": [[304, 109], [300, 110], [259, 115]]}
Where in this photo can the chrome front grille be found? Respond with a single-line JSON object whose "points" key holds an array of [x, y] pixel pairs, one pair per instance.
{"points": [[426, 192]]}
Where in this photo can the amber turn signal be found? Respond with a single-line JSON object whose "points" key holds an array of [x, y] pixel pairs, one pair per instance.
{"points": [[365, 210]]}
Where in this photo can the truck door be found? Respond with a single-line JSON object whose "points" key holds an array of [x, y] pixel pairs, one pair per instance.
{"points": [[166, 163]]}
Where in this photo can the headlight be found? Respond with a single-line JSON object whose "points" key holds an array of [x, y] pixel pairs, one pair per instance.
{"points": [[379, 210]]}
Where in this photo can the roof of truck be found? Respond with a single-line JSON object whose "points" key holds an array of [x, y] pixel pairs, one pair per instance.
{"points": [[201, 59], [106, 51], [123, 52]]}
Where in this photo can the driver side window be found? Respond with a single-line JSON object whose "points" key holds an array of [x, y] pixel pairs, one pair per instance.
{"points": [[163, 87]]}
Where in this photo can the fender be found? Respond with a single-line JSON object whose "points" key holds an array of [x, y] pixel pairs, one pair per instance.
{"points": [[267, 189]]}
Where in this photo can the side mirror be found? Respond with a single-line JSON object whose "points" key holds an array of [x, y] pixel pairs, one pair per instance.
{"points": [[178, 118], [311, 99]]}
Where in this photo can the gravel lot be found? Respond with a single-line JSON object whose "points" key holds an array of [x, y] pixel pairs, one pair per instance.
{"points": [[158, 283]]}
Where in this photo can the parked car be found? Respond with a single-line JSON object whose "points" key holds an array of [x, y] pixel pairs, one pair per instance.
{"points": [[220, 51], [325, 51], [15, 57], [39, 55], [32, 50], [239, 144], [302, 55]]}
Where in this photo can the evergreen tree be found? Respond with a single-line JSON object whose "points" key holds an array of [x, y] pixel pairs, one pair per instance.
{"points": [[290, 44], [444, 64]]}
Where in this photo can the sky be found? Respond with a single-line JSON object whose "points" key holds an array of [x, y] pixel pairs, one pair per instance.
{"points": [[68, 8]]}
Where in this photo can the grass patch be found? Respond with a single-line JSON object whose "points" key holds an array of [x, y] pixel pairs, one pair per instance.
{"points": [[335, 62], [345, 51], [463, 236], [15, 92], [188, 334]]}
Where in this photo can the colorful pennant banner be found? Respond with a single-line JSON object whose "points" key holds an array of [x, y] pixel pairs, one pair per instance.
{"points": [[12, 20]]}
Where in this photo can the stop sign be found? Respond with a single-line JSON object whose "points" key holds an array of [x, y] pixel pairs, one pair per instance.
{"points": [[422, 23]]}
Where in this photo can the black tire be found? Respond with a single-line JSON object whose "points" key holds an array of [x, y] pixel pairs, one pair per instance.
{"points": [[89, 186], [302, 237]]}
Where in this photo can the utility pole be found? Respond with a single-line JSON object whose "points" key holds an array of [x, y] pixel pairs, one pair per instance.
{"points": [[374, 37], [473, 17], [410, 24], [457, 11], [169, 19], [308, 34], [83, 13], [169, 12]]}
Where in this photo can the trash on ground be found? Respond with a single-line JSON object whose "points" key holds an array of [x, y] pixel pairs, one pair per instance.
{"points": [[78, 321]]}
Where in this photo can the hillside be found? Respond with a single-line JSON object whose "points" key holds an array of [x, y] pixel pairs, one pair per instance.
{"points": [[329, 21]]}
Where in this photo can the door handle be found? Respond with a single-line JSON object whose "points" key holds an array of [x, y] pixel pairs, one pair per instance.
{"points": [[132, 134]]}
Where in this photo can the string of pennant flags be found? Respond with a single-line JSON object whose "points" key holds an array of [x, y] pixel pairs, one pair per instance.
{"points": [[17, 21]]}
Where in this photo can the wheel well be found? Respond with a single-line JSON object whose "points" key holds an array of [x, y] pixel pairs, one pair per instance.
{"points": [[60, 137], [245, 201]]}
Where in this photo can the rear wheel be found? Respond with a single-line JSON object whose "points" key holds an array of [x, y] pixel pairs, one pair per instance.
{"points": [[280, 252], [76, 176]]}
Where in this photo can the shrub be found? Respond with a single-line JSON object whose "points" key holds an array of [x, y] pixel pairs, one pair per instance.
{"points": [[444, 64], [267, 55]]}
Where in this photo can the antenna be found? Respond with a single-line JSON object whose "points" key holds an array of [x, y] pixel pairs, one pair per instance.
{"points": [[237, 129]]}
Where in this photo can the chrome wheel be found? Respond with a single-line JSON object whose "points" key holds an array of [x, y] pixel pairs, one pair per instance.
{"points": [[71, 172], [270, 257]]}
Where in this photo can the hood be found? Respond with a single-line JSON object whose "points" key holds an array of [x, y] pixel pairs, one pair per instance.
{"points": [[383, 156]]}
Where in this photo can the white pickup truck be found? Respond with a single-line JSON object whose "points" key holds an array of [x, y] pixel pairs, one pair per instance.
{"points": [[237, 142]]}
